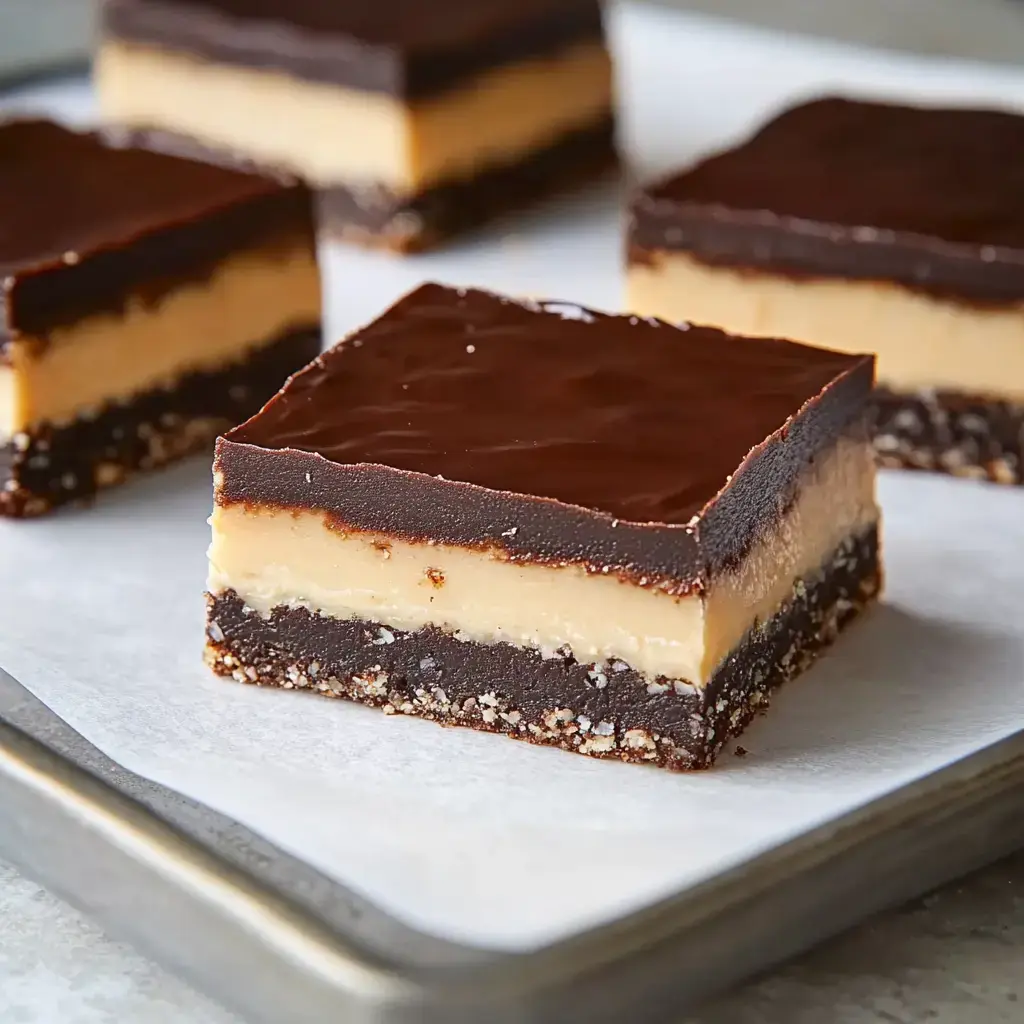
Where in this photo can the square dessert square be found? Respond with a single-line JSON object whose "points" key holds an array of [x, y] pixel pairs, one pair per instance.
{"points": [[865, 227], [415, 120], [148, 303], [597, 532]]}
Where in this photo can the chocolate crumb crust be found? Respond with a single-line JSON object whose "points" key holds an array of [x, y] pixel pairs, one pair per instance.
{"points": [[605, 710], [946, 431], [53, 466], [550, 433], [378, 217], [932, 199], [86, 226], [405, 48]]}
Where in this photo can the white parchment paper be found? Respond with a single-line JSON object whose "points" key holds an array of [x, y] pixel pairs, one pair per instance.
{"points": [[476, 837]]}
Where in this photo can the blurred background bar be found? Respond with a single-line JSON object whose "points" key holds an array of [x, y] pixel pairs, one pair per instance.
{"points": [[40, 36], [986, 30]]}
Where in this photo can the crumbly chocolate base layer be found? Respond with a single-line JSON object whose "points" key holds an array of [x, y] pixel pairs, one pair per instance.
{"points": [[603, 710], [947, 432], [376, 217], [52, 466]]}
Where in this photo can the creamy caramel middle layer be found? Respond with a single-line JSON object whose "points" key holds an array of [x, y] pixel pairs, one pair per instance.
{"points": [[272, 557], [247, 301], [332, 135], [921, 342]]}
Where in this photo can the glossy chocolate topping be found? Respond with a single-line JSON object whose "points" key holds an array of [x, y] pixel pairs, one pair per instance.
{"points": [[408, 48], [83, 224], [931, 198], [565, 421]]}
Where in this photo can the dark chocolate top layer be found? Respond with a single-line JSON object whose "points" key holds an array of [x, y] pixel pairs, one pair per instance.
{"points": [[408, 48], [470, 418], [930, 198], [83, 225]]}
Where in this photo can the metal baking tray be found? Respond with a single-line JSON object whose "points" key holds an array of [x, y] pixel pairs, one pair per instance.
{"points": [[276, 941]]}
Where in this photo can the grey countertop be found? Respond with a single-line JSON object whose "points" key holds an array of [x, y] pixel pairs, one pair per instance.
{"points": [[953, 958], [37, 33], [991, 30]]}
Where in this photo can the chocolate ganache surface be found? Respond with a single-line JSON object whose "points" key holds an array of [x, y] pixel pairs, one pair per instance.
{"points": [[83, 223], [932, 198], [631, 418]]}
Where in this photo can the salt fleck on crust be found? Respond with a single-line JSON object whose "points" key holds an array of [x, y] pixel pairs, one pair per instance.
{"points": [[638, 739], [569, 311]]}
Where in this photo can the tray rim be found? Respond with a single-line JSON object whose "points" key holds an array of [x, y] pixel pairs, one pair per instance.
{"points": [[273, 939]]}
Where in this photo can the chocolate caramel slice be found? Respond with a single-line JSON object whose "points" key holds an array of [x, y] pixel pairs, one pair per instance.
{"points": [[414, 120], [148, 304], [865, 227], [598, 532]]}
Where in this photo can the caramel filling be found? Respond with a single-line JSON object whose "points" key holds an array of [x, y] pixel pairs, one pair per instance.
{"points": [[332, 135], [921, 342], [250, 299], [272, 557]]}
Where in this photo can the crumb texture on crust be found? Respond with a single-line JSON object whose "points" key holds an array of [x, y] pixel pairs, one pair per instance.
{"points": [[50, 466], [964, 435], [605, 709]]}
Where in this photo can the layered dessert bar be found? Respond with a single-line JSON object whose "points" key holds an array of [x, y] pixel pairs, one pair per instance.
{"points": [[148, 303], [865, 227], [600, 533], [415, 120]]}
